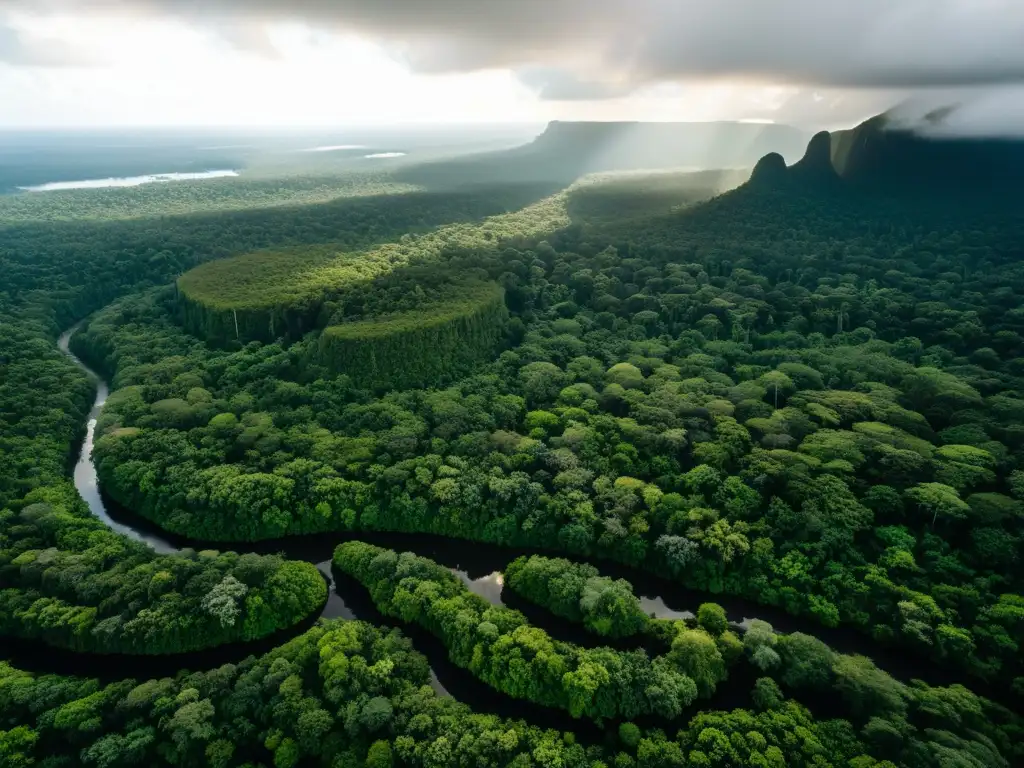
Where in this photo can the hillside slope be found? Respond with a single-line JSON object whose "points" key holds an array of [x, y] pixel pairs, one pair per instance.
{"points": [[876, 153], [880, 157]]}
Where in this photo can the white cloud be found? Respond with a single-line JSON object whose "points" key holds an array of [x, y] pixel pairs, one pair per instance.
{"points": [[822, 63], [161, 72], [869, 43]]}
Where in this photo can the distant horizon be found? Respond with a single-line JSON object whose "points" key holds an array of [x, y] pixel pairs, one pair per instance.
{"points": [[54, 128], [270, 128]]}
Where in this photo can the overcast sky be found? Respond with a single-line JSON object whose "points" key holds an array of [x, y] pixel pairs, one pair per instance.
{"points": [[817, 63]]}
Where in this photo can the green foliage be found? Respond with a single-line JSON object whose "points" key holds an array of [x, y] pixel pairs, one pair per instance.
{"points": [[808, 401], [807, 661], [125, 598], [938, 499], [577, 592], [766, 695], [69, 581], [270, 294], [312, 701], [498, 646], [434, 343], [695, 652], [541, 449], [346, 693], [712, 619]]}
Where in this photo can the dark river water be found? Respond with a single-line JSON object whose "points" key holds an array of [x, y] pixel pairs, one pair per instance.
{"points": [[479, 566]]}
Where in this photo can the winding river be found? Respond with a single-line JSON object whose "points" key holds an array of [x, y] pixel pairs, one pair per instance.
{"points": [[479, 566]]}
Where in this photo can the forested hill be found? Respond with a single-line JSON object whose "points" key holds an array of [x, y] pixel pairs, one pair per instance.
{"points": [[567, 150], [897, 163], [877, 154]]}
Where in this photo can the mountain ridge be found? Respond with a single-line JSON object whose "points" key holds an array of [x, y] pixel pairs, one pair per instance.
{"points": [[881, 153], [882, 156], [566, 150]]}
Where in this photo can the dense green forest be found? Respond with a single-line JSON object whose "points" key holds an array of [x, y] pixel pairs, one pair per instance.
{"points": [[268, 295], [431, 343], [251, 190], [794, 393], [64, 577], [69, 581], [349, 694], [497, 645], [840, 445]]}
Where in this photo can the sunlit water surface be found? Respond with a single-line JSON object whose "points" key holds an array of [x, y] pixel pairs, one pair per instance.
{"points": [[128, 181]]}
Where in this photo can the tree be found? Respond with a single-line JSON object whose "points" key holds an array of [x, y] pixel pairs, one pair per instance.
{"points": [[16, 746], [937, 393], [766, 695], [696, 655], [625, 375], [541, 382], [287, 754], [379, 755], [866, 689], [629, 735], [191, 721], [806, 661], [677, 551], [711, 617], [777, 384], [938, 499], [224, 601]]}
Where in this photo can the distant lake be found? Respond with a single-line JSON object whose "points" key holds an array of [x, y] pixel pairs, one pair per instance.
{"points": [[127, 181], [385, 154], [334, 148]]}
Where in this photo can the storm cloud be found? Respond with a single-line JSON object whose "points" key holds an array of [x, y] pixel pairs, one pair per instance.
{"points": [[611, 45], [838, 61]]}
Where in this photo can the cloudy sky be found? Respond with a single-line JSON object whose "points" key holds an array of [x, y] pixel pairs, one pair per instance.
{"points": [[817, 63]]}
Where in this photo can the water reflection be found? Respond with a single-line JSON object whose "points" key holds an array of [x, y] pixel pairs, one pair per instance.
{"points": [[488, 587], [128, 181], [336, 607], [655, 606], [85, 471], [439, 689]]}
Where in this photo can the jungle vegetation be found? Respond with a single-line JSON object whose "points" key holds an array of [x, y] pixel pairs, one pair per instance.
{"points": [[498, 646], [251, 190], [840, 444], [433, 343], [578, 592], [283, 294], [69, 581], [794, 393], [347, 694]]}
